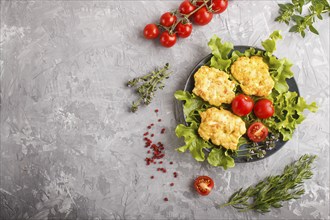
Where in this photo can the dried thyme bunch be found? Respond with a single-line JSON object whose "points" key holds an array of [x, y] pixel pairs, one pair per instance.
{"points": [[273, 190], [147, 85]]}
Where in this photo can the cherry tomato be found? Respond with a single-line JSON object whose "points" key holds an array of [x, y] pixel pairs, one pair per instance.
{"points": [[151, 31], [257, 132], [186, 7], [264, 108], [202, 16], [199, 3], [219, 6], [167, 39], [203, 185], [168, 19], [183, 30], [242, 105]]}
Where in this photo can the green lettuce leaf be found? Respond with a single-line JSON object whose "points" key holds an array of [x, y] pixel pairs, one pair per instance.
{"points": [[289, 108], [280, 70], [220, 53], [247, 53], [220, 157], [270, 44], [192, 104], [193, 142]]}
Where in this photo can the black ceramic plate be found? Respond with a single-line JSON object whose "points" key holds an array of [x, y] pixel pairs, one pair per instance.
{"points": [[190, 86]]}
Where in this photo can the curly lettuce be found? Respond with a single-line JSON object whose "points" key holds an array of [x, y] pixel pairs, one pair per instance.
{"points": [[289, 108], [193, 105], [220, 52]]}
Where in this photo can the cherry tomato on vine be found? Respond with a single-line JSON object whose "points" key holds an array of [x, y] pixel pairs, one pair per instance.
{"points": [[151, 31], [199, 3], [167, 39], [257, 132], [242, 105], [186, 7], [202, 16], [167, 19], [219, 6], [264, 109], [203, 185], [183, 30]]}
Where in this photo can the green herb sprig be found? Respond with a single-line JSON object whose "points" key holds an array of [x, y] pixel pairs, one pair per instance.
{"points": [[250, 150], [147, 85], [293, 11], [273, 190]]}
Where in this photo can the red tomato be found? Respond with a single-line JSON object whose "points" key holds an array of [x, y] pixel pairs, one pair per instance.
{"points": [[183, 30], [167, 39], [203, 185], [242, 105], [168, 19], [186, 7], [257, 132], [151, 31], [199, 3], [264, 108], [219, 6], [202, 16]]}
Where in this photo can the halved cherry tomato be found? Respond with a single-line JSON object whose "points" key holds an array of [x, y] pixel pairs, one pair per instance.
{"points": [[264, 109], [203, 185], [167, 39], [219, 6], [186, 7], [202, 16], [151, 31], [257, 132], [242, 105], [167, 19], [183, 30]]}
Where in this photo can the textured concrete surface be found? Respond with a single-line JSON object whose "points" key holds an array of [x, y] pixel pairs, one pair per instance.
{"points": [[71, 150]]}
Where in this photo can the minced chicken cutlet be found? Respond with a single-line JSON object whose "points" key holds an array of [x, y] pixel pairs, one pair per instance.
{"points": [[213, 86], [222, 127], [253, 75]]}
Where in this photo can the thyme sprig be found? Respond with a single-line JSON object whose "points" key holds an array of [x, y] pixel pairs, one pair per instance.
{"points": [[273, 190], [147, 85], [253, 150], [293, 11]]}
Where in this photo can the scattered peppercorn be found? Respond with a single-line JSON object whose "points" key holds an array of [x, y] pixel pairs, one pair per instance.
{"points": [[156, 152]]}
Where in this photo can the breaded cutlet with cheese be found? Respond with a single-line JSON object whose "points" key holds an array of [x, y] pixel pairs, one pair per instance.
{"points": [[222, 127], [213, 86], [253, 75]]}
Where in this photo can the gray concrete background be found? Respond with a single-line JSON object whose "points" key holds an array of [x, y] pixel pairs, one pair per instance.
{"points": [[71, 150]]}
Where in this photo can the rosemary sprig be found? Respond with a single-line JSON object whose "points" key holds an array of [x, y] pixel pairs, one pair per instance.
{"points": [[147, 85], [292, 11], [273, 190]]}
